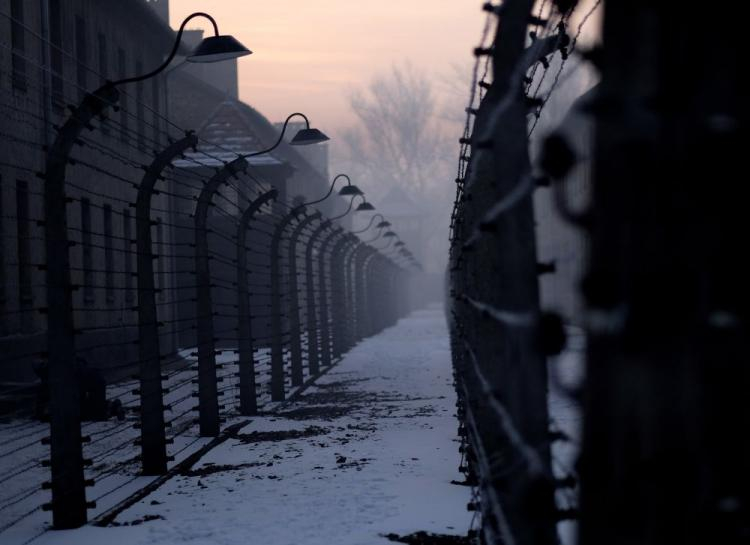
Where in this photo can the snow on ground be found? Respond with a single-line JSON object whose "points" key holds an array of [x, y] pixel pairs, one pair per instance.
{"points": [[370, 449], [112, 447]]}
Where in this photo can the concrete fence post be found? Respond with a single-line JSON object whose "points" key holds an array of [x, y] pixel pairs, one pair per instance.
{"points": [[278, 391], [350, 293], [208, 395], [366, 313], [313, 346], [68, 504], [338, 291], [324, 301], [153, 437], [295, 332], [246, 373]]}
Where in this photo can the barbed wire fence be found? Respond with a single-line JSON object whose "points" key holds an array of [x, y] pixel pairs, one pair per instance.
{"points": [[501, 339], [202, 294]]}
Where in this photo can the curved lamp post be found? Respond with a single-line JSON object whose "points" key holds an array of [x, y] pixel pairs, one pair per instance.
{"points": [[304, 137], [380, 225], [215, 48], [67, 482], [364, 206], [348, 190]]}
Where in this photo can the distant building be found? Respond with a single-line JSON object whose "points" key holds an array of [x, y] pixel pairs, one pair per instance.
{"points": [[161, 7]]}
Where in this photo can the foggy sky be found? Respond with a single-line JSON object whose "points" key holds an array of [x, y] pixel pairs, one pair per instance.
{"points": [[309, 53]]}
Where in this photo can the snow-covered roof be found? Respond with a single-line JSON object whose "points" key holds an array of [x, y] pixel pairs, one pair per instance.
{"points": [[227, 133]]}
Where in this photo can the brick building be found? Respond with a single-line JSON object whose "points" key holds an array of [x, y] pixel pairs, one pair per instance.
{"points": [[51, 53]]}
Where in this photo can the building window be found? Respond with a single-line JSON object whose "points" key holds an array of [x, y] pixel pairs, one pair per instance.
{"points": [[82, 58], [122, 68], [24, 243], [101, 43], [159, 261], [18, 43], [139, 109], [155, 92], [87, 252], [127, 234], [109, 257], [2, 248], [55, 54]]}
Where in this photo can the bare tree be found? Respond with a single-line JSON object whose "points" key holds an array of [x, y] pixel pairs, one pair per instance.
{"points": [[399, 138], [403, 138]]}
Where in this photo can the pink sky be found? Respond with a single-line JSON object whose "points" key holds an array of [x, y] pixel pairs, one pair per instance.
{"points": [[309, 53]]}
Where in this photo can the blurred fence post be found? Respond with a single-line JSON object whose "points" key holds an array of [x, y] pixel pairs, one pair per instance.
{"points": [[278, 391], [153, 437], [356, 291], [338, 293], [246, 372], [390, 274], [364, 309], [378, 289], [66, 455], [313, 347], [496, 297], [208, 395], [325, 305], [351, 295], [666, 455], [295, 343], [370, 284]]}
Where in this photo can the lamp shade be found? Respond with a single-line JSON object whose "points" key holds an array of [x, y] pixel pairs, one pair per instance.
{"points": [[389, 234], [399, 243], [305, 137], [383, 224], [350, 190], [365, 207], [218, 48]]}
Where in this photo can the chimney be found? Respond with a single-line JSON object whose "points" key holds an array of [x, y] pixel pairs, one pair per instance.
{"points": [[161, 7]]}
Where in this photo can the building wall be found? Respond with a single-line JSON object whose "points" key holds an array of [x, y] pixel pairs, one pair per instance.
{"points": [[68, 47]]}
